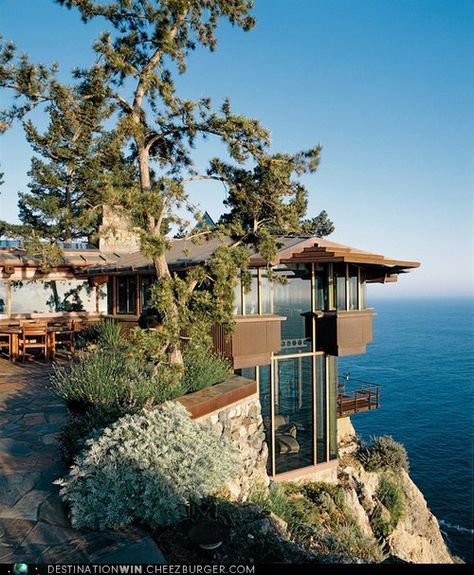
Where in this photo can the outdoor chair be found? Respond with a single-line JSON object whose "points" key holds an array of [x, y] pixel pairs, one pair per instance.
{"points": [[63, 336], [6, 343], [33, 336]]}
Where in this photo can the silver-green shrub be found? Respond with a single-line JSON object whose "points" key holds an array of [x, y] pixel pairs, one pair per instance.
{"points": [[147, 468]]}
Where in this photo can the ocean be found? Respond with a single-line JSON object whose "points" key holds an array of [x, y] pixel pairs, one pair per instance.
{"points": [[423, 359]]}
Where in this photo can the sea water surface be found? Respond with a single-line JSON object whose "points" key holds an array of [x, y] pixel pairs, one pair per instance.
{"points": [[423, 358]]}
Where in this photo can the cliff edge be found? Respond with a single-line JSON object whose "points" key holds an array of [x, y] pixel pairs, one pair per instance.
{"points": [[389, 506]]}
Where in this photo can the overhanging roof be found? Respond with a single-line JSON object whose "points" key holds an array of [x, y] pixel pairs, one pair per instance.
{"points": [[184, 253]]}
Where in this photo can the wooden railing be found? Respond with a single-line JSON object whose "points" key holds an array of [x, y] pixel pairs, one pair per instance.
{"points": [[364, 398]]}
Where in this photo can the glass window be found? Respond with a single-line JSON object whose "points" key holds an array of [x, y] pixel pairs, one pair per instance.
{"points": [[353, 288], [46, 296], [321, 288], [238, 297], [126, 294], [264, 374], [321, 412], [332, 404], [110, 296], [145, 284], [293, 300], [293, 396], [363, 290], [251, 296], [3, 298], [266, 292], [248, 372], [340, 285]]}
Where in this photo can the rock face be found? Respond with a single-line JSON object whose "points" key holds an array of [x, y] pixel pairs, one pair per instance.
{"points": [[416, 537], [242, 423]]}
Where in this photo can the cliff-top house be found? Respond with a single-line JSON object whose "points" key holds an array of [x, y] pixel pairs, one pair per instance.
{"points": [[287, 339]]}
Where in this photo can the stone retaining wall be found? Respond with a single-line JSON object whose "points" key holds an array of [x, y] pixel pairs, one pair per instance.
{"points": [[232, 409]]}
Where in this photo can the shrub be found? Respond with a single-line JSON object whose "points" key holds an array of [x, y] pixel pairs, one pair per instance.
{"points": [[110, 334], [391, 495], [384, 453], [83, 426], [110, 377], [203, 368], [147, 467]]}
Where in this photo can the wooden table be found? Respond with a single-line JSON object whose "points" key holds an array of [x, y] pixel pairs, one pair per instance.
{"points": [[15, 333]]}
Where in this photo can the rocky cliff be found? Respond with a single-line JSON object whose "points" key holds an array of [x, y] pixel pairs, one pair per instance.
{"points": [[410, 531]]}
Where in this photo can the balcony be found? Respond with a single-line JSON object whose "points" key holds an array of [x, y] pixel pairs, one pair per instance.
{"points": [[342, 333], [362, 396], [254, 340]]}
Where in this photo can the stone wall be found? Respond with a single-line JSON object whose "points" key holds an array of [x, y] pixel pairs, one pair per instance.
{"points": [[232, 409]]}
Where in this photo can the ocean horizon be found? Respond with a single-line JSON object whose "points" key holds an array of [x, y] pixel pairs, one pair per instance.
{"points": [[423, 359]]}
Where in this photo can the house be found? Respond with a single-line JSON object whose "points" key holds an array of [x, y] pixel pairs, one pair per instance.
{"points": [[288, 335]]}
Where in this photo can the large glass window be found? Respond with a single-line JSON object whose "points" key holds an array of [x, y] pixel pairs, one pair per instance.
{"points": [[340, 285], [3, 298], [353, 288], [332, 404], [293, 397], [251, 296], [265, 382], [292, 300], [321, 288], [321, 409], [266, 292], [145, 285], [238, 297], [127, 294], [363, 289], [46, 296]]}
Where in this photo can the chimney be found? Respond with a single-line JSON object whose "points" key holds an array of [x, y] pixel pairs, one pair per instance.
{"points": [[116, 233]]}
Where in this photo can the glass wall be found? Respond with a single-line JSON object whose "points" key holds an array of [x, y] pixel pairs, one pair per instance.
{"points": [[353, 287], [321, 287], [3, 298], [251, 296], [266, 292], [321, 409], [294, 444], [127, 294], [145, 285], [40, 296], [332, 386], [292, 300], [265, 385], [340, 286]]}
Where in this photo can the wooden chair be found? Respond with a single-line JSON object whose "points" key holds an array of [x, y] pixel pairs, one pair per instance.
{"points": [[63, 336], [6, 343], [33, 336]]}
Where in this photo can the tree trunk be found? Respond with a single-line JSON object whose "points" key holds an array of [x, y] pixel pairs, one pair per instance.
{"points": [[175, 355]]}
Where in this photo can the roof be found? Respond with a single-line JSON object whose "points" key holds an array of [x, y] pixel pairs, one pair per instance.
{"points": [[19, 258], [184, 253]]}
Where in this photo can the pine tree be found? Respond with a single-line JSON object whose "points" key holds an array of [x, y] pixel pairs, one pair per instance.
{"points": [[67, 175], [146, 45]]}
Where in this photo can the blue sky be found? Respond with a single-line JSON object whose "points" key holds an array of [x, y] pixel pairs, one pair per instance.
{"points": [[386, 86]]}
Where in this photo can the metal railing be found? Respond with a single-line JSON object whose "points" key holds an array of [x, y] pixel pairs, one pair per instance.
{"points": [[353, 399]]}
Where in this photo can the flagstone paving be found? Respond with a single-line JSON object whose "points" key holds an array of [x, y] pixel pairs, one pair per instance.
{"points": [[34, 527]]}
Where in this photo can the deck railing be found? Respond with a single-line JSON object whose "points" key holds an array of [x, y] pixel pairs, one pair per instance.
{"points": [[362, 396]]}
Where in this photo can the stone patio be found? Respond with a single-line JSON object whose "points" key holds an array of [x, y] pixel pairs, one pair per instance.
{"points": [[34, 527]]}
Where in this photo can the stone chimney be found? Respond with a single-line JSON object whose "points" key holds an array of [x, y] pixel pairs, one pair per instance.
{"points": [[116, 233]]}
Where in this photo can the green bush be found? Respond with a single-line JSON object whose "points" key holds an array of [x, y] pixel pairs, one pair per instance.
{"points": [[381, 525], [203, 368], [110, 334], [110, 377], [390, 494], [147, 467], [318, 517], [384, 453]]}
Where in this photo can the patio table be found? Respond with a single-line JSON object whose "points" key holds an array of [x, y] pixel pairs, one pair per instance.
{"points": [[15, 333]]}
